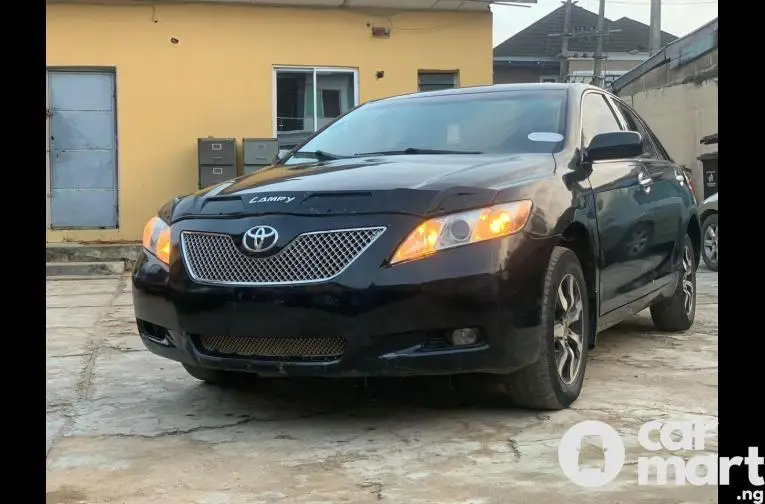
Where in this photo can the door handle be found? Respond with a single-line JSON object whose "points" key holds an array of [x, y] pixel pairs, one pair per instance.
{"points": [[644, 180]]}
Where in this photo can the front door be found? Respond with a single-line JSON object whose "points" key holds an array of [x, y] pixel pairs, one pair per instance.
{"points": [[623, 212], [82, 150], [667, 197]]}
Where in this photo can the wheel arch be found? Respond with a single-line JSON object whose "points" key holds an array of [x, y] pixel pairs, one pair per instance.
{"points": [[577, 238], [694, 231], [707, 214]]}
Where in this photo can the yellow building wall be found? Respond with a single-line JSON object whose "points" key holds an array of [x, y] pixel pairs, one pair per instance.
{"points": [[218, 79]]}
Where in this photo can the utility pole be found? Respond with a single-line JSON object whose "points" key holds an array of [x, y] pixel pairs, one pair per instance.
{"points": [[564, 44], [654, 44], [570, 34], [598, 66]]}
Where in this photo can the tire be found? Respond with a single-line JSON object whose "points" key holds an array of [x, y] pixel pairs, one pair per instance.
{"points": [[540, 385], [709, 254], [677, 312], [218, 377]]}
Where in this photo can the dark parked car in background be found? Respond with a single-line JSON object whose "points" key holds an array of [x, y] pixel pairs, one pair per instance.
{"points": [[708, 213], [491, 231]]}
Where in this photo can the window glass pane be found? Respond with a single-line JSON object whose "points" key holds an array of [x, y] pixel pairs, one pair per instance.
{"points": [[436, 81], [597, 117], [633, 124], [301, 109], [335, 95]]}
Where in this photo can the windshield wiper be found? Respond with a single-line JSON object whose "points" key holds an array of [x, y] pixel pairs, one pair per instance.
{"points": [[414, 151], [319, 155]]}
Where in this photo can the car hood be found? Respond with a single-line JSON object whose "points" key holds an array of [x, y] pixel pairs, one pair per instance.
{"points": [[420, 185]]}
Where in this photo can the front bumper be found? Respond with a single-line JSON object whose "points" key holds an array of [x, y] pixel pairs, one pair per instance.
{"points": [[389, 317]]}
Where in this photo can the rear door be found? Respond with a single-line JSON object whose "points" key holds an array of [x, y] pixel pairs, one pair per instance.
{"points": [[666, 196], [622, 210]]}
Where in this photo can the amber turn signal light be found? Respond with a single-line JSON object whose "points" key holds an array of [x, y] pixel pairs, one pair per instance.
{"points": [[156, 239]]}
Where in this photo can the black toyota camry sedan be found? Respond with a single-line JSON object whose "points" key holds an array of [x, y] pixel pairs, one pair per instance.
{"points": [[492, 231]]}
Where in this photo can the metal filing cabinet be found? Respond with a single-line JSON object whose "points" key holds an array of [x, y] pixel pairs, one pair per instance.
{"points": [[258, 153], [217, 160]]}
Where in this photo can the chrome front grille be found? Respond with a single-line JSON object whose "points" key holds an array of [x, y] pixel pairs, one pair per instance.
{"points": [[320, 348], [311, 257]]}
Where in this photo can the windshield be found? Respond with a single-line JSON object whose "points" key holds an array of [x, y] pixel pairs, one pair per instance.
{"points": [[509, 122]]}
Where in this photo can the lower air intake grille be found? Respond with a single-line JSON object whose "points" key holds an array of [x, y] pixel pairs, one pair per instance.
{"points": [[275, 348]]}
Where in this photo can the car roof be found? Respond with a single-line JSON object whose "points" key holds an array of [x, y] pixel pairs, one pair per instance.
{"points": [[498, 88]]}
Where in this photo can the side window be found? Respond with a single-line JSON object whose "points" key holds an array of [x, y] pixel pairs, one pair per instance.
{"points": [[597, 117], [662, 152], [650, 144]]}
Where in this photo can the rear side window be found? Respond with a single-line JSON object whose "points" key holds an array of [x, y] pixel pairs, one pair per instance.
{"points": [[597, 117]]}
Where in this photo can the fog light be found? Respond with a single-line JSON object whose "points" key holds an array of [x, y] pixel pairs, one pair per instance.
{"points": [[463, 337]]}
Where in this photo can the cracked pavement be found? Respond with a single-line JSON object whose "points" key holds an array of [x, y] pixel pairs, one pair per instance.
{"points": [[125, 426]]}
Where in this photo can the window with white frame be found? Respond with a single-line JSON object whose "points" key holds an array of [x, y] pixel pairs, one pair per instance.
{"points": [[307, 99]]}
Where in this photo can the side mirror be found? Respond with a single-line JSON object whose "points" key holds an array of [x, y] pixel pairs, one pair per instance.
{"points": [[615, 145], [283, 153]]}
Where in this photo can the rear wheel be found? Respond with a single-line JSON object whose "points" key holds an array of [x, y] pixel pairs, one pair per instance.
{"points": [[555, 380], [709, 242], [218, 377], [677, 312]]}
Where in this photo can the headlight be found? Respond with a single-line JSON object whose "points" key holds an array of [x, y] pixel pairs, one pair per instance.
{"points": [[156, 239], [463, 228]]}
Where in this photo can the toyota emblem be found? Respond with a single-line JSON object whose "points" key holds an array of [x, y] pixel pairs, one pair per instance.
{"points": [[260, 239]]}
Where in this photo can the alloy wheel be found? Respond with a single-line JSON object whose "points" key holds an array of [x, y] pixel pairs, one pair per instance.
{"points": [[568, 329], [710, 243], [687, 279]]}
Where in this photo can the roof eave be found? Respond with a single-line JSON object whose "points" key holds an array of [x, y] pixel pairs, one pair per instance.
{"points": [[408, 5], [666, 53]]}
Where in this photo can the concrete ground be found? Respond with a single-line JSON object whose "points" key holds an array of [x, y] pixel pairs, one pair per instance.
{"points": [[125, 426]]}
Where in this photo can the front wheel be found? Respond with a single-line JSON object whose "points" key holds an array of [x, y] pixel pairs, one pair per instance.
{"points": [[677, 312], [709, 235], [555, 380]]}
